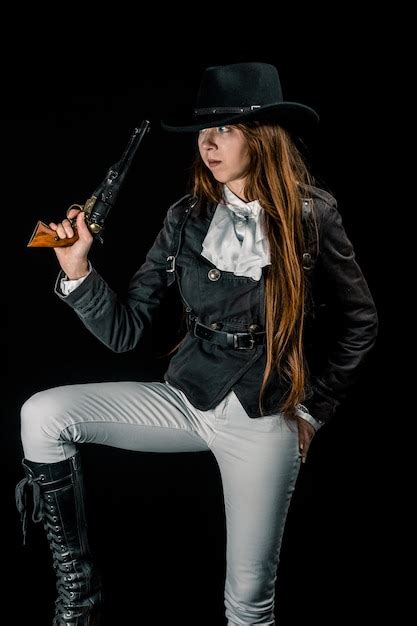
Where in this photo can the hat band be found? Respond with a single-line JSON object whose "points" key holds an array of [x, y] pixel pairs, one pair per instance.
{"points": [[226, 110]]}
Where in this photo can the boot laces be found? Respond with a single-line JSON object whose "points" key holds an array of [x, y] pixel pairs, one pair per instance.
{"points": [[21, 494]]}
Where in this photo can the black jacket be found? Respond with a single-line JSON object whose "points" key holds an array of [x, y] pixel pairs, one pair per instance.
{"points": [[341, 324]]}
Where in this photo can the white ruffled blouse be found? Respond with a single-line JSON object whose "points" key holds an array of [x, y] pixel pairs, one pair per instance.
{"points": [[236, 241]]}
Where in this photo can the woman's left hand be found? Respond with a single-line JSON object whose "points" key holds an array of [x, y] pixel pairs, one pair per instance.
{"points": [[305, 434]]}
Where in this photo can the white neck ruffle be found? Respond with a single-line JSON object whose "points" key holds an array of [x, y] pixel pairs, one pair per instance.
{"points": [[235, 241]]}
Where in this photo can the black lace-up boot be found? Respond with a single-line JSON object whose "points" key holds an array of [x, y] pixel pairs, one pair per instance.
{"points": [[58, 501]]}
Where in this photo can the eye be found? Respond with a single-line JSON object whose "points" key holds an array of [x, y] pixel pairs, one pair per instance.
{"points": [[222, 130]]}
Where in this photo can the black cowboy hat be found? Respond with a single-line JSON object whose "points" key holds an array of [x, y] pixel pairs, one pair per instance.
{"points": [[243, 92]]}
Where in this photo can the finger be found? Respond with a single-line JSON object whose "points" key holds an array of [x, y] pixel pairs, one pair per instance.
{"points": [[83, 230], [66, 224], [303, 451], [73, 212], [60, 231]]}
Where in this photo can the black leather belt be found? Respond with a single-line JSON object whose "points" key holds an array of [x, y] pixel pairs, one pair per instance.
{"points": [[238, 341]]}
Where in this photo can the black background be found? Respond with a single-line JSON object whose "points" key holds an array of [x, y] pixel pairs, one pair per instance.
{"points": [[156, 520]]}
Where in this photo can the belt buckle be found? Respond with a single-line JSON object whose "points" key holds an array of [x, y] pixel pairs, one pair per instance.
{"points": [[251, 340]]}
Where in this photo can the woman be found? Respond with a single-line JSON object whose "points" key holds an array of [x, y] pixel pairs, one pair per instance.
{"points": [[254, 252]]}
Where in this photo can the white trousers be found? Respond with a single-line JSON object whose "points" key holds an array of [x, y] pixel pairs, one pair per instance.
{"points": [[258, 458]]}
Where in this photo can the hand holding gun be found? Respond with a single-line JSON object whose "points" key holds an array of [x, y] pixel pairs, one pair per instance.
{"points": [[96, 208], [72, 257]]}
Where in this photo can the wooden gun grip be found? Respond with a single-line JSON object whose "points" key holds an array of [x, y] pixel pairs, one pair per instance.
{"points": [[45, 237]]}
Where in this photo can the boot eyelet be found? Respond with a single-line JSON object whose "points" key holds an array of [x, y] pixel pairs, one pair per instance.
{"points": [[54, 519], [42, 477]]}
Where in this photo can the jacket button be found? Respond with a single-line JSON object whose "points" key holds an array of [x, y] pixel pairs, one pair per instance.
{"points": [[254, 327], [214, 274], [216, 325]]}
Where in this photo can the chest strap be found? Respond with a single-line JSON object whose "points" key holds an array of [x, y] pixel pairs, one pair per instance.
{"points": [[239, 340], [309, 226]]}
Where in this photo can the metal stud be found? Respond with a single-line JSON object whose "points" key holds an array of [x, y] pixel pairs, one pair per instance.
{"points": [[214, 274], [307, 261]]}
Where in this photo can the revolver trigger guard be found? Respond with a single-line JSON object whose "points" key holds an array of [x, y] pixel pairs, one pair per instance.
{"points": [[74, 206]]}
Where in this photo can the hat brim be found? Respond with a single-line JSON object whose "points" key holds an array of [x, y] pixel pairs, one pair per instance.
{"points": [[292, 114]]}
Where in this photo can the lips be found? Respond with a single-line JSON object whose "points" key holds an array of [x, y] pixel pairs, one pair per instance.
{"points": [[213, 163]]}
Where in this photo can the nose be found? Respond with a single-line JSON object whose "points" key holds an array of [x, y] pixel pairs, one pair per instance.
{"points": [[207, 137]]}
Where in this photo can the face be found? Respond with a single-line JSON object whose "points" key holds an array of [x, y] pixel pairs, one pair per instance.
{"points": [[225, 152]]}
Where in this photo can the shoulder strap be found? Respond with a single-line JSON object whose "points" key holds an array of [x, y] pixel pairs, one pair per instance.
{"points": [[176, 238], [310, 234]]}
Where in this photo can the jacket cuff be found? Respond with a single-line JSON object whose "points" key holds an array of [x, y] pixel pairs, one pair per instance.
{"points": [[86, 297], [67, 285], [322, 409]]}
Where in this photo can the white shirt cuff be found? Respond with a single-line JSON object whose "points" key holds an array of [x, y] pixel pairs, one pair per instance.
{"points": [[67, 285], [301, 411]]}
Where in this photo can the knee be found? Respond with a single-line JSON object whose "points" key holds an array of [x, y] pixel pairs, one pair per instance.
{"points": [[251, 598], [37, 414]]}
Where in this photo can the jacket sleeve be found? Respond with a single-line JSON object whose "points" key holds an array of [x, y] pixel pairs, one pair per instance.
{"points": [[355, 312], [120, 325]]}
